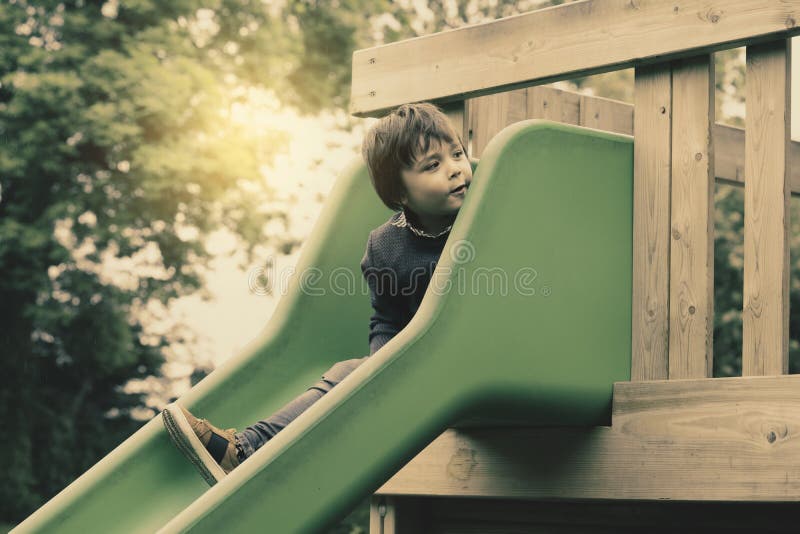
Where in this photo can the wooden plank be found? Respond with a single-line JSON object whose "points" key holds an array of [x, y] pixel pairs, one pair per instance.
{"points": [[560, 42], [606, 114], [377, 515], [651, 197], [395, 515], [489, 115], [554, 104], [716, 439], [765, 315], [458, 113], [691, 279], [613, 116]]}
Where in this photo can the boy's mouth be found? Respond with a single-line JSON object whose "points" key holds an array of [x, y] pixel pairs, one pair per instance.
{"points": [[460, 189]]}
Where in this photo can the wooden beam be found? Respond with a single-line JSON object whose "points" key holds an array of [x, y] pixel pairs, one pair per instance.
{"points": [[651, 221], [560, 42], [765, 317], [715, 439], [691, 279], [488, 116]]}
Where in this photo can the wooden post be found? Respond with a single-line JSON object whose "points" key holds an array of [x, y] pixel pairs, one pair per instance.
{"points": [[651, 199], [765, 314], [691, 279], [381, 515], [395, 515]]}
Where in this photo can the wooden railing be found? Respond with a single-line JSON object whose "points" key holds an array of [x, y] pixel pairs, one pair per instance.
{"points": [[670, 45]]}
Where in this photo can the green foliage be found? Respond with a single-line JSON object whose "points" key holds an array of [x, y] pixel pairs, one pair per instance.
{"points": [[117, 142]]}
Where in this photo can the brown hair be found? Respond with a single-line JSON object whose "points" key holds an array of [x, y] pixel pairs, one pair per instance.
{"points": [[396, 141]]}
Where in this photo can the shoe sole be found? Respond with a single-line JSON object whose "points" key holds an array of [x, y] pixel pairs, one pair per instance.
{"points": [[186, 441]]}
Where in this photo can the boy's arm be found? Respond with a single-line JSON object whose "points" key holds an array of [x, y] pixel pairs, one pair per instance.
{"points": [[385, 321]]}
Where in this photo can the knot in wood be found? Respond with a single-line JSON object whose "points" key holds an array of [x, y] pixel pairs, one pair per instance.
{"points": [[714, 16], [461, 464], [692, 309], [771, 437], [698, 156]]}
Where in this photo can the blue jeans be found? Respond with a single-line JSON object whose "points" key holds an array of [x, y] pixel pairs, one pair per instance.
{"points": [[253, 437]]}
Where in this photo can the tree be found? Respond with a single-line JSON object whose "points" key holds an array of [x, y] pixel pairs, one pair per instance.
{"points": [[118, 157]]}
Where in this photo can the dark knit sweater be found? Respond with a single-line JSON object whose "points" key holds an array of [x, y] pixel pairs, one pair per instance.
{"points": [[398, 265]]}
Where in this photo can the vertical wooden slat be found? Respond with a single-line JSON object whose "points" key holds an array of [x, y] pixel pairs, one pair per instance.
{"points": [[651, 199], [458, 113], [487, 117], [382, 518], [395, 515], [765, 314], [490, 114], [691, 279]]}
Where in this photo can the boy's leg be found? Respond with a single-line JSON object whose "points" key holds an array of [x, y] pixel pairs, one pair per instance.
{"points": [[253, 437]]}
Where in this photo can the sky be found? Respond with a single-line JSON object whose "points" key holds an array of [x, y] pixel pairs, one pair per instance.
{"points": [[316, 153]]}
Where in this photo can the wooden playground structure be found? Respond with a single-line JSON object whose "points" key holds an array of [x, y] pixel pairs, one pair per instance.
{"points": [[684, 450]]}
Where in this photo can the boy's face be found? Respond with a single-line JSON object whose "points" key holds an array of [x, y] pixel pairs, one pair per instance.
{"points": [[437, 181]]}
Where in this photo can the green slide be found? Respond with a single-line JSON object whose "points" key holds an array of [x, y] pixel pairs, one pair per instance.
{"points": [[526, 322]]}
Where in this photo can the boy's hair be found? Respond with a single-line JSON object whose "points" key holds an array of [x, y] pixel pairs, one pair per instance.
{"points": [[396, 142]]}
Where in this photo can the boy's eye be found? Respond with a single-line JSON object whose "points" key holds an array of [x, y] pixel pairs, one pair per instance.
{"points": [[432, 165], [458, 153]]}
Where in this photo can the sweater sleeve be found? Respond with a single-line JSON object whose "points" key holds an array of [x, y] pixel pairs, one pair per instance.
{"points": [[385, 321]]}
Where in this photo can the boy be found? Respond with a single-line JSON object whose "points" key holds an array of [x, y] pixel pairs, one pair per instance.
{"points": [[419, 167]]}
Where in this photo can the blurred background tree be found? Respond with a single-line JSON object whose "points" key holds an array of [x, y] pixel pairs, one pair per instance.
{"points": [[118, 158]]}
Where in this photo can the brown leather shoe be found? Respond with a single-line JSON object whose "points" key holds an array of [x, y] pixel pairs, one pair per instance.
{"points": [[211, 450]]}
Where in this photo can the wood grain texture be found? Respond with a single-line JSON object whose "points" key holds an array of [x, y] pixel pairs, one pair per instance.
{"points": [[488, 117], [554, 105], [716, 439], [765, 314], [458, 113], [691, 279], [651, 222], [605, 114], [394, 515], [561, 42]]}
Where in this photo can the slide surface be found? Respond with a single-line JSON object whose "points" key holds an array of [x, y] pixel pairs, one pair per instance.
{"points": [[526, 322]]}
